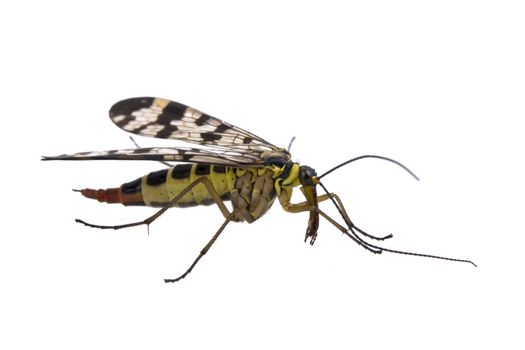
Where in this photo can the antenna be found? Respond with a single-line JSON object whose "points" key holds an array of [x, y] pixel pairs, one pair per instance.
{"points": [[369, 156], [290, 144]]}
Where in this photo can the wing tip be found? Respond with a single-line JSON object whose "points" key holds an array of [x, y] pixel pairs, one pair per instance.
{"points": [[61, 157], [130, 105]]}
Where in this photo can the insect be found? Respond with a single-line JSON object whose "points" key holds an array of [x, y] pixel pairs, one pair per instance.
{"points": [[234, 165]]}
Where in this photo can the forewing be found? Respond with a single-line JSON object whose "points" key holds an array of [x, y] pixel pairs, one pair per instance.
{"points": [[230, 157], [157, 117]]}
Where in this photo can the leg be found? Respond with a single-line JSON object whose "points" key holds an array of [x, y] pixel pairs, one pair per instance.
{"points": [[378, 250], [340, 207], [204, 250], [204, 180], [353, 236], [304, 206]]}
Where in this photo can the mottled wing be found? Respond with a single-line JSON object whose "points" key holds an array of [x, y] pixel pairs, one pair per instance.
{"points": [[232, 157], [157, 117]]}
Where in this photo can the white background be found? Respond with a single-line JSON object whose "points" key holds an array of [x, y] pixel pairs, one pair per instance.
{"points": [[436, 85]]}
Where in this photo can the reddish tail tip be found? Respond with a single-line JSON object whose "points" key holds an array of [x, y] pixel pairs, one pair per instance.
{"points": [[110, 195]]}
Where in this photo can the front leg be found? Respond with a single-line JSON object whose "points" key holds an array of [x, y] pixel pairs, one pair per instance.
{"points": [[309, 205], [305, 206], [285, 200]]}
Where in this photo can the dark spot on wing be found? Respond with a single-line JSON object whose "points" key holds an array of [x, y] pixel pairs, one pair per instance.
{"points": [[167, 131], [173, 111], [126, 107], [210, 136], [222, 128], [202, 120]]}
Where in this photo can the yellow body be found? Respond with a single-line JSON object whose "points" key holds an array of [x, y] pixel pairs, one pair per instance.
{"points": [[161, 194], [251, 190]]}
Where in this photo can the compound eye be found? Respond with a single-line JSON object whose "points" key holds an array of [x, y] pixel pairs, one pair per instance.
{"points": [[303, 176], [306, 174]]}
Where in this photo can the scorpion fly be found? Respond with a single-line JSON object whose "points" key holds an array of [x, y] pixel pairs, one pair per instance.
{"points": [[235, 165]]}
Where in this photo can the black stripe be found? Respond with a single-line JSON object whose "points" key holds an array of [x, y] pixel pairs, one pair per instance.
{"points": [[181, 171], [186, 204], [219, 169], [286, 171], [207, 201], [157, 177], [203, 119], [202, 169], [134, 186], [277, 161], [173, 110], [167, 131], [133, 203]]}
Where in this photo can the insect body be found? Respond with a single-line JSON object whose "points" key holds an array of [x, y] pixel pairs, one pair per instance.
{"points": [[252, 191], [235, 165]]}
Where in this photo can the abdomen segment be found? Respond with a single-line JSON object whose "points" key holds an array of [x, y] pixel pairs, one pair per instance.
{"points": [[158, 188]]}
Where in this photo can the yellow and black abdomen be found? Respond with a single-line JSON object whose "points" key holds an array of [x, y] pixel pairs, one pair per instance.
{"points": [[159, 188]]}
